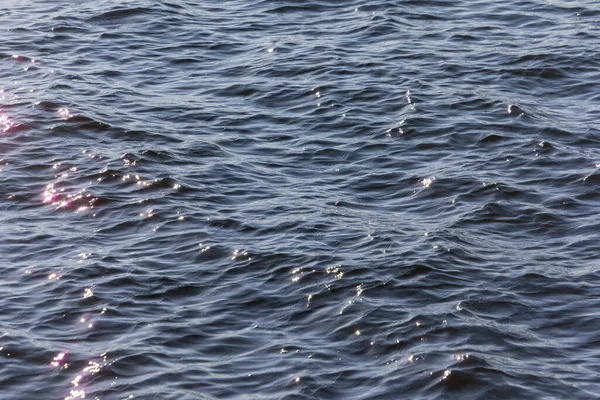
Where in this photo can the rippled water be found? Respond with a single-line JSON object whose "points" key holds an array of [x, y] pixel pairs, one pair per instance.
{"points": [[299, 200]]}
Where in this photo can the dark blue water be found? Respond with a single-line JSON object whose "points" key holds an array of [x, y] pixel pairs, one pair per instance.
{"points": [[299, 199]]}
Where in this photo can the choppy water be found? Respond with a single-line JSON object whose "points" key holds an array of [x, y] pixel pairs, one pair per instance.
{"points": [[299, 200]]}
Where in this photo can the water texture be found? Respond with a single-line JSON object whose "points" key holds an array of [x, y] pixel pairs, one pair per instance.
{"points": [[299, 199]]}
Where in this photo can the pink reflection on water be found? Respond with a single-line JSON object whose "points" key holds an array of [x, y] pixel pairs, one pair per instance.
{"points": [[64, 113], [58, 360], [92, 368], [6, 123], [58, 198]]}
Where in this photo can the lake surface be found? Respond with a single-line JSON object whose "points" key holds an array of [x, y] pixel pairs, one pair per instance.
{"points": [[299, 199]]}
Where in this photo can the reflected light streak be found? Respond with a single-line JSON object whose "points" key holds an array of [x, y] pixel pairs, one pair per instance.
{"points": [[58, 360], [6, 123]]}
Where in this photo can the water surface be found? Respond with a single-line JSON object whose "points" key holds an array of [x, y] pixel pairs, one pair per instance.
{"points": [[299, 200]]}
